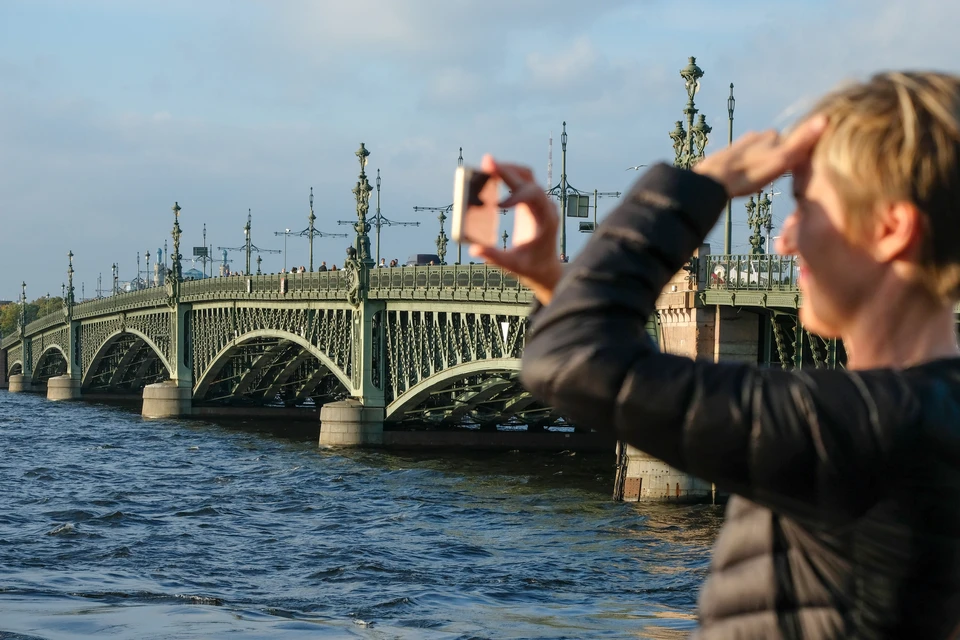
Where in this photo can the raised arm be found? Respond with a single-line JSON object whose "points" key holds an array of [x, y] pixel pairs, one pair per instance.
{"points": [[798, 441]]}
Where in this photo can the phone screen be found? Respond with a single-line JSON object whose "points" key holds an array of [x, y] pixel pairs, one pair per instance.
{"points": [[476, 216]]}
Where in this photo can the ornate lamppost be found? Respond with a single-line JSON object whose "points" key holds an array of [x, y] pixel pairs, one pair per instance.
{"points": [[380, 221], [362, 192], [310, 232], [689, 143], [177, 272], [246, 233], [311, 219], [573, 202], [69, 299], [728, 221], [758, 218], [147, 256], [115, 282], [23, 308]]}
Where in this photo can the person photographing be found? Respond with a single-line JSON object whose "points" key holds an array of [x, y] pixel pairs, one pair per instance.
{"points": [[845, 515]]}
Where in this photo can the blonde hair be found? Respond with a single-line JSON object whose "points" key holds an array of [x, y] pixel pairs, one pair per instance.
{"points": [[896, 138]]}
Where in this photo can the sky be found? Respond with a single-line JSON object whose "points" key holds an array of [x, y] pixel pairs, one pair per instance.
{"points": [[112, 110]]}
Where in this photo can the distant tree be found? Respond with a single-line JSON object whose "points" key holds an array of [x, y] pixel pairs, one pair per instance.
{"points": [[10, 313], [8, 318]]}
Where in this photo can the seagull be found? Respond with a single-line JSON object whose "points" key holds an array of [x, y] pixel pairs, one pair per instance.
{"points": [[636, 167]]}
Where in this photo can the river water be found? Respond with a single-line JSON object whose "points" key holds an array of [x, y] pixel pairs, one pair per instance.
{"points": [[117, 527]]}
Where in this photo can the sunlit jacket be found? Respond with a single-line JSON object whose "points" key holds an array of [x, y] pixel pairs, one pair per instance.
{"points": [[846, 519]]}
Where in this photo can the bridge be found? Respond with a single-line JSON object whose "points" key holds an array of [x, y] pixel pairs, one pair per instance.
{"points": [[368, 345]]}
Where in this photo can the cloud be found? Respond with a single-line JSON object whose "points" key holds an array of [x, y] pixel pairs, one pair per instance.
{"points": [[121, 108]]}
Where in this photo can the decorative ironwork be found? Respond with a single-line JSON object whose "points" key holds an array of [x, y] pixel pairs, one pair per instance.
{"points": [[362, 192], [759, 218], [689, 144], [215, 328], [796, 347], [40, 344]]}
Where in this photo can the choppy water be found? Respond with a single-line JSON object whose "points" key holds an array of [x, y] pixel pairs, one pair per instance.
{"points": [[116, 527]]}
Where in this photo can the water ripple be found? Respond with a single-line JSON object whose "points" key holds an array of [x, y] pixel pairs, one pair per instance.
{"points": [[179, 527]]}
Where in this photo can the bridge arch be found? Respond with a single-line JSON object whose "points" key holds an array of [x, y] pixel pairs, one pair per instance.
{"points": [[52, 362], [15, 368], [443, 379], [104, 349], [209, 376]]}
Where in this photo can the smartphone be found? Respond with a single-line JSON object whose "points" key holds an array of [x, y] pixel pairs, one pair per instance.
{"points": [[476, 216]]}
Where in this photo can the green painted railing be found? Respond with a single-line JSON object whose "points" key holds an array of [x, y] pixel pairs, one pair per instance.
{"points": [[468, 282], [143, 298], [44, 322], [322, 285], [752, 272], [9, 340]]}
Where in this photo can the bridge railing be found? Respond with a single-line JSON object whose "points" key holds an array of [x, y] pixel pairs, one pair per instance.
{"points": [[747, 272], [51, 319], [274, 286], [474, 281], [153, 296], [9, 340]]}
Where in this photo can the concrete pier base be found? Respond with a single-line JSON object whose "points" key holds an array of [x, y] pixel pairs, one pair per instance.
{"points": [[20, 384], [350, 424], [166, 400], [63, 388], [650, 479]]}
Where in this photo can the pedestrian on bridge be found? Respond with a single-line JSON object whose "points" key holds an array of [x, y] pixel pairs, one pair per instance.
{"points": [[845, 519]]}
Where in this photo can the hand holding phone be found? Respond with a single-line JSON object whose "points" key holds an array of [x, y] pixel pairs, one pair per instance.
{"points": [[533, 254], [476, 211]]}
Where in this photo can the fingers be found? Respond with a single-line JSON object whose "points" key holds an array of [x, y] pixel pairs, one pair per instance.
{"points": [[801, 140], [513, 175], [487, 164]]}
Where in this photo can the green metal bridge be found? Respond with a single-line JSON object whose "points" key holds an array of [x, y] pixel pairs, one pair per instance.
{"points": [[429, 344]]}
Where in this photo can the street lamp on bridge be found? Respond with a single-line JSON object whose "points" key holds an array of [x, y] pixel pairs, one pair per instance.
{"points": [[310, 232], [442, 236], [248, 246], [380, 221], [759, 218], [728, 221], [69, 299], [23, 307], [177, 270], [573, 202], [689, 143]]}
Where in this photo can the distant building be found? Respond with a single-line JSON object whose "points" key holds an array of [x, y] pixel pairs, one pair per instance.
{"points": [[193, 274]]}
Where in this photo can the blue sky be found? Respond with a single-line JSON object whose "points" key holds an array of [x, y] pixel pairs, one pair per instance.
{"points": [[111, 110]]}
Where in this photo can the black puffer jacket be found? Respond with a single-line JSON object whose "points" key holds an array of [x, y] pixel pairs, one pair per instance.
{"points": [[848, 520]]}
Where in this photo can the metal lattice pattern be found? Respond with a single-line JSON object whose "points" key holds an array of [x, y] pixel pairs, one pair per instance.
{"points": [[420, 344], [155, 326], [93, 335], [329, 330], [264, 371], [795, 347], [15, 354], [40, 344], [128, 364], [485, 399], [49, 365]]}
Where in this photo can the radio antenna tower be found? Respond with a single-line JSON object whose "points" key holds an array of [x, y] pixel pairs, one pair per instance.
{"points": [[550, 160]]}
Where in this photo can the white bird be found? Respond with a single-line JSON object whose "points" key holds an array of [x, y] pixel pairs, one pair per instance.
{"points": [[636, 167]]}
